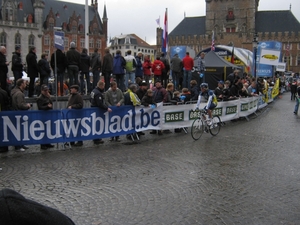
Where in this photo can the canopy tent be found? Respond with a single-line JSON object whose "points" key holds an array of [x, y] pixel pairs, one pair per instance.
{"points": [[217, 69]]}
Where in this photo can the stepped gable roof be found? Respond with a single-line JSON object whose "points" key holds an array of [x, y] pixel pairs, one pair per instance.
{"points": [[276, 21], [190, 26], [66, 10]]}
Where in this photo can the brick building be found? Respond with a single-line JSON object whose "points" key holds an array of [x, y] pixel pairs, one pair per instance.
{"points": [[235, 22], [28, 23]]}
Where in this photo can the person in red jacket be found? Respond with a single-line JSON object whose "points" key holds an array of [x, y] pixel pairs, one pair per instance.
{"points": [[147, 69], [157, 68], [188, 64]]}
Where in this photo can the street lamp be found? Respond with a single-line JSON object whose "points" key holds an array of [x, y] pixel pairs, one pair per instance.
{"points": [[255, 44]]}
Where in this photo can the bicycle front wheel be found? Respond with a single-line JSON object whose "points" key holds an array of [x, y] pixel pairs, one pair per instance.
{"points": [[197, 129], [215, 126]]}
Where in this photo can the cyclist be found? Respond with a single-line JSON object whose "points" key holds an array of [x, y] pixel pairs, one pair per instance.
{"points": [[211, 98]]}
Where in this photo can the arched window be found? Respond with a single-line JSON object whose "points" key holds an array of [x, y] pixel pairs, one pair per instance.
{"points": [[47, 40], [91, 43], [98, 43], [3, 39], [31, 41], [8, 11], [51, 23], [18, 40]]}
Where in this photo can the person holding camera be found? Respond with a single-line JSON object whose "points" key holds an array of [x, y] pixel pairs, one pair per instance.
{"points": [[18, 103]]}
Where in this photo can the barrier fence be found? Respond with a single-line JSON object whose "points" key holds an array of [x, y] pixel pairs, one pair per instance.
{"points": [[55, 126]]}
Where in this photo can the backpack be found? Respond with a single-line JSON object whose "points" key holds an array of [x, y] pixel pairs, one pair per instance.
{"points": [[118, 67]]}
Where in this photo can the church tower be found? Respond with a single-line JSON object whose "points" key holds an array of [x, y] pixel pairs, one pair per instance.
{"points": [[230, 16]]}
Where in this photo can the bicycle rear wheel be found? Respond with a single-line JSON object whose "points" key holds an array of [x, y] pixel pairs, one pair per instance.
{"points": [[215, 126], [197, 129]]}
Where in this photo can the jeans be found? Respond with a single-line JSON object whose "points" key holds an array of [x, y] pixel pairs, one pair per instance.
{"points": [[96, 78], [73, 74], [106, 79], [120, 81], [129, 76], [175, 78], [187, 77], [82, 83], [296, 106]]}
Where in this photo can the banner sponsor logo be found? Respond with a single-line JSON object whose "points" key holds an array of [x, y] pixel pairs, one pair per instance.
{"points": [[217, 111], [174, 116], [245, 107], [231, 110]]}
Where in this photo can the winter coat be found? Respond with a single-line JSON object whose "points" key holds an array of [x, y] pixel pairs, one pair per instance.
{"points": [[139, 67], [44, 67], [61, 61], [157, 67], [148, 100], [43, 101], [176, 64], [76, 101], [16, 62], [97, 98], [32, 66], [188, 63], [107, 65], [119, 65], [18, 99], [73, 58], [147, 67], [85, 63], [95, 62]]}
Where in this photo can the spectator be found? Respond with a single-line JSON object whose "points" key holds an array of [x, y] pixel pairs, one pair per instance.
{"points": [[187, 95], [244, 92], [32, 69], [147, 100], [188, 64], [107, 68], [61, 63], [85, 72], [194, 90], [297, 98], [73, 64], [293, 89], [157, 69], [75, 101], [219, 90], [95, 68], [165, 71], [119, 64], [17, 64], [232, 77], [252, 89], [142, 90], [176, 68], [3, 68], [44, 102], [201, 66], [147, 69], [139, 66], [97, 100], [4, 106], [18, 103], [130, 68], [114, 97], [226, 94], [236, 87], [170, 89], [176, 97], [44, 69]]}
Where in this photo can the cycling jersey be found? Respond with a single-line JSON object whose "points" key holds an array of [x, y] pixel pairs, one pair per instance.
{"points": [[211, 98]]}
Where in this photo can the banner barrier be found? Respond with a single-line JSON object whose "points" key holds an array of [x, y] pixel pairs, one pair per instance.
{"points": [[55, 126]]}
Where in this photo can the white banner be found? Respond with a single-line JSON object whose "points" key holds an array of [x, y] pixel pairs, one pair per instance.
{"points": [[269, 57], [280, 67]]}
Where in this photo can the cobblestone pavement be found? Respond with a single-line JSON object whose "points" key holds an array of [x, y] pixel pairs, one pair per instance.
{"points": [[248, 174]]}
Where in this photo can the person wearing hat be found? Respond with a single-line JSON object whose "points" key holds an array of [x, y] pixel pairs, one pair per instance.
{"points": [[16, 63], [44, 102], [75, 102], [142, 89]]}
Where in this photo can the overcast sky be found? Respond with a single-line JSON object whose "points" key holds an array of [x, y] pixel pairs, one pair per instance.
{"points": [[139, 16]]}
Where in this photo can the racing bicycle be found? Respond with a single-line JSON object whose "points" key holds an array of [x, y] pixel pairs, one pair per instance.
{"points": [[200, 125]]}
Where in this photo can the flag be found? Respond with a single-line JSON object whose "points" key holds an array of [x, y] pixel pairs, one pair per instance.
{"points": [[232, 55], [158, 21], [164, 47], [248, 63], [213, 42]]}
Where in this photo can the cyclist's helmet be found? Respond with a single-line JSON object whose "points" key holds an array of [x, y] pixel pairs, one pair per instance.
{"points": [[204, 85]]}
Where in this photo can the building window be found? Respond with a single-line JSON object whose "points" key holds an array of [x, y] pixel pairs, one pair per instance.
{"points": [[51, 23], [134, 47], [74, 27], [66, 42], [18, 40], [81, 28], [298, 60], [9, 12], [288, 60], [47, 52], [98, 44], [127, 47], [46, 40], [82, 42], [230, 29], [2, 39], [31, 41], [127, 40], [91, 43], [74, 38]]}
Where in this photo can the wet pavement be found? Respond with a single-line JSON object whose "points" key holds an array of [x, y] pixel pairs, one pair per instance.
{"points": [[248, 174]]}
